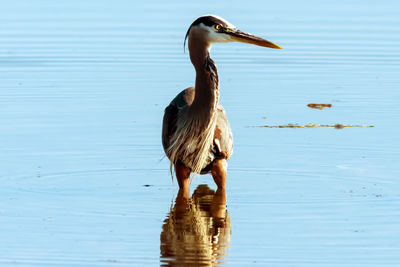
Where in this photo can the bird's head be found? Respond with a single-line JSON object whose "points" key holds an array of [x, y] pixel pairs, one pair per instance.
{"points": [[213, 29]]}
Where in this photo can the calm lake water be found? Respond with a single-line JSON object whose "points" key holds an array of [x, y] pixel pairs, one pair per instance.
{"points": [[83, 86]]}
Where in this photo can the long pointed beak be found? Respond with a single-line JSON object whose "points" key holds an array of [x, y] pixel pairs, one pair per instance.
{"points": [[244, 37]]}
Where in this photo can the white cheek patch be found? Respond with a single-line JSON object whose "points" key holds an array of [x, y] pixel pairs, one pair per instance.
{"points": [[216, 37]]}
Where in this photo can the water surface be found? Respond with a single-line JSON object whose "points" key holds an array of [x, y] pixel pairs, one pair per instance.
{"points": [[82, 92]]}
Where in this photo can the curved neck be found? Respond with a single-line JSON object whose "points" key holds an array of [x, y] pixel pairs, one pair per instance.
{"points": [[206, 87]]}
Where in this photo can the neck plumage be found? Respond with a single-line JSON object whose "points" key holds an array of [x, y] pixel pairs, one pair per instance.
{"points": [[194, 135], [206, 88]]}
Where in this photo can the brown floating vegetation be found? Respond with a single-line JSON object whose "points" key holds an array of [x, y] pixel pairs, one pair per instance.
{"points": [[319, 106], [312, 125]]}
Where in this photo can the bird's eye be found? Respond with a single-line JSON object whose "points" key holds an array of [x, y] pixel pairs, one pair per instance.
{"points": [[218, 27]]}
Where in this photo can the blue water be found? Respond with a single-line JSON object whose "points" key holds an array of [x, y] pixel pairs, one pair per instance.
{"points": [[83, 85]]}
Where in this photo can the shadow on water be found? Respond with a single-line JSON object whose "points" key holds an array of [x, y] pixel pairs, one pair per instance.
{"points": [[197, 230]]}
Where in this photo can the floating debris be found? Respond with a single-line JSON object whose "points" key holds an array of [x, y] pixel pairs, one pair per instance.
{"points": [[319, 106], [312, 125], [338, 126]]}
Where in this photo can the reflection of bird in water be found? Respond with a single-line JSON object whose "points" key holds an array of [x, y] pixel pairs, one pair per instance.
{"points": [[196, 135], [197, 230]]}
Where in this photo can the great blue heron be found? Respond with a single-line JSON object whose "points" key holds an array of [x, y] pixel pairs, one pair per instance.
{"points": [[196, 135]]}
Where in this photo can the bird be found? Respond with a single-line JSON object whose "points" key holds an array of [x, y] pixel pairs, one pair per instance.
{"points": [[196, 135]]}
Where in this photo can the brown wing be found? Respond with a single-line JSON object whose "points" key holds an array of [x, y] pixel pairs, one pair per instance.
{"points": [[223, 139], [184, 98]]}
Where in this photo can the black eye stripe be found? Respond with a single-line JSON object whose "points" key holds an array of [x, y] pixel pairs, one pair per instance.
{"points": [[208, 21]]}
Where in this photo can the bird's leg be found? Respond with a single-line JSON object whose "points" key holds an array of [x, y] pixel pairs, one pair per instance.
{"points": [[218, 172], [183, 176]]}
